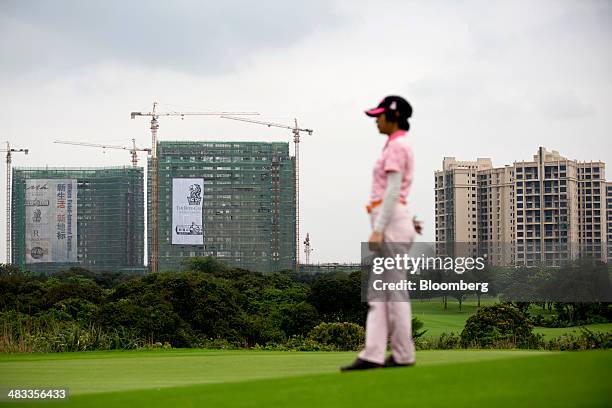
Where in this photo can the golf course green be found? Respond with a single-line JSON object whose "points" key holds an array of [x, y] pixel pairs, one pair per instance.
{"points": [[223, 378]]}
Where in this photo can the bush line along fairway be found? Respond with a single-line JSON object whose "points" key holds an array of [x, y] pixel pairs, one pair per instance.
{"points": [[215, 306], [260, 378]]}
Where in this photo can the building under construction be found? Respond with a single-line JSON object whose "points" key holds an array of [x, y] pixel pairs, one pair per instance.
{"points": [[87, 217], [231, 200]]}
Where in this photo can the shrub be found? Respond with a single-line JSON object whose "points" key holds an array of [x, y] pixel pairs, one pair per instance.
{"points": [[499, 325], [417, 325], [448, 341], [343, 336], [297, 343], [445, 341], [586, 340], [77, 308]]}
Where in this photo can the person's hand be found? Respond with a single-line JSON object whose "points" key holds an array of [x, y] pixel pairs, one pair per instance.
{"points": [[375, 240], [418, 225]]}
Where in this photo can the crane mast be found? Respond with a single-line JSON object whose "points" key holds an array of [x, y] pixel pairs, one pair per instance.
{"points": [[296, 173], [154, 194], [307, 249], [154, 114], [9, 152]]}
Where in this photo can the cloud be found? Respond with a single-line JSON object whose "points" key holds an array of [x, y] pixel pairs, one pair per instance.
{"points": [[486, 79], [563, 104], [184, 35]]}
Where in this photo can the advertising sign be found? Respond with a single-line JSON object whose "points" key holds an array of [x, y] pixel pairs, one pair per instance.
{"points": [[187, 211], [51, 220]]}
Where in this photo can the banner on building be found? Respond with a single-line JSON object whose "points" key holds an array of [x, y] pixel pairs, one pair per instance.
{"points": [[51, 220], [187, 211]]}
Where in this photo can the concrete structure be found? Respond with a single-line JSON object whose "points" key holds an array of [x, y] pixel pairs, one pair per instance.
{"points": [[546, 210], [592, 217], [109, 214], [248, 203], [329, 267], [496, 223], [456, 201], [609, 217]]}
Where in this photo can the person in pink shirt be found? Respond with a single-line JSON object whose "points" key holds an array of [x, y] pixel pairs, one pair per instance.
{"points": [[393, 231]]}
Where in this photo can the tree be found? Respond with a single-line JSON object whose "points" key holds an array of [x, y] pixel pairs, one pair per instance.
{"points": [[9, 270], [337, 298], [208, 264], [298, 318]]}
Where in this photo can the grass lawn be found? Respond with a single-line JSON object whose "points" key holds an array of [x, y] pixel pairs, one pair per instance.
{"points": [[201, 378], [552, 332], [437, 320]]}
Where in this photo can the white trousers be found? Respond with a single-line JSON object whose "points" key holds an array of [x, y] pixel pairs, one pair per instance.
{"points": [[391, 319]]}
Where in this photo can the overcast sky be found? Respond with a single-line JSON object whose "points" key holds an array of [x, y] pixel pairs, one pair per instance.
{"points": [[486, 79]]}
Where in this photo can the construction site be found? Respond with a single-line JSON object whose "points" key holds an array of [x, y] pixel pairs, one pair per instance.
{"points": [[235, 201], [247, 208], [103, 231]]}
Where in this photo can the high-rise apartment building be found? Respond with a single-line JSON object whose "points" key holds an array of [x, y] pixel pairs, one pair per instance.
{"points": [[86, 217], [609, 217], [231, 200], [592, 219], [546, 210], [496, 223], [456, 195]]}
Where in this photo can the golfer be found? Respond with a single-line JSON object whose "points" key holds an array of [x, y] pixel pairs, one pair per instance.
{"points": [[393, 231]]}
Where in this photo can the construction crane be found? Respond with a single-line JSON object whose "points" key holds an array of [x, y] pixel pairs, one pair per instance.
{"points": [[155, 114], [296, 140], [133, 150], [307, 249], [9, 151]]}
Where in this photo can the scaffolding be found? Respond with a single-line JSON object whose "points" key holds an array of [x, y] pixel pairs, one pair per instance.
{"points": [[248, 203], [110, 217]]}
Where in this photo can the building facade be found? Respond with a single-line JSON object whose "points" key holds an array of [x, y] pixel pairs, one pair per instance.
{"points": [[547, 210], [457, 204], [86, 217], [609, 217], [247, 216]]}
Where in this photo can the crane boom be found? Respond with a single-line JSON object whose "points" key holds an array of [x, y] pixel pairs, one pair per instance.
{"points": [[104, 146], [132, 149], [154, 114], [158, 114], [269, 124], [296, 174]]}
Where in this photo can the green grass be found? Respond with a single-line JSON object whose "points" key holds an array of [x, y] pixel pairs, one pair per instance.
{"points": [[200, 378], [212, 378], [437, 320], [552, 332]]}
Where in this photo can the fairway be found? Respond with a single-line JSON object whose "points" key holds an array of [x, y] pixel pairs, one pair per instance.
{"points": [[552, 332], [191, 377], [437, 320]]}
